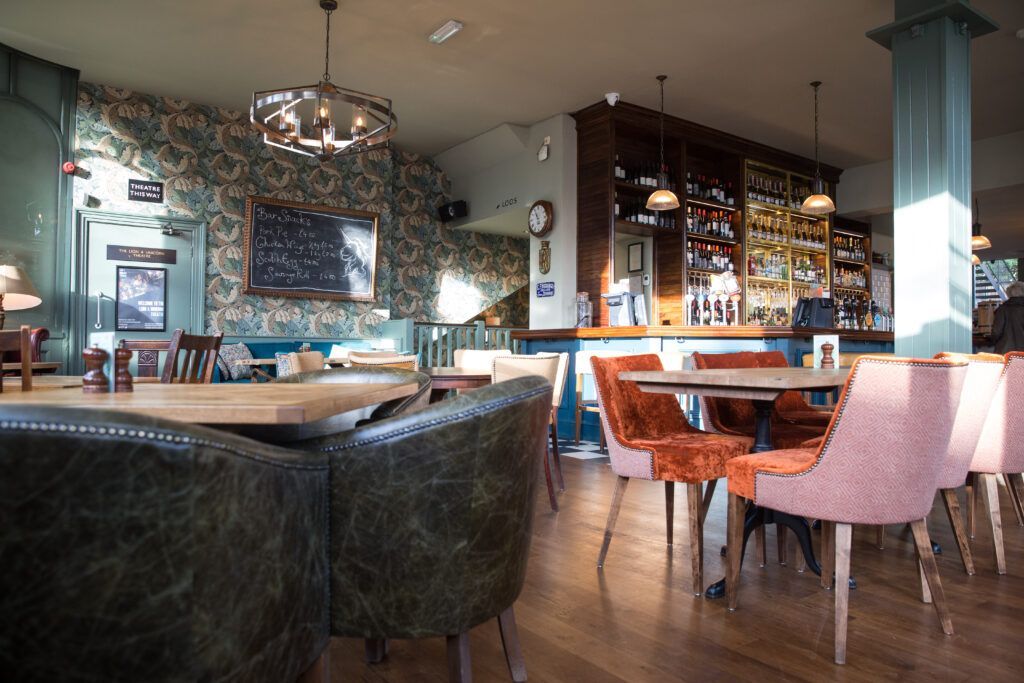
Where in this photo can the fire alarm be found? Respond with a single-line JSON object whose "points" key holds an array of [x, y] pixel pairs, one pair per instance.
{"points": [[68, 167]]}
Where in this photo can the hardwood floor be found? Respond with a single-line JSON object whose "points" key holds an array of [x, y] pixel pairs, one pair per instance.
{"points": [[638, 621]]}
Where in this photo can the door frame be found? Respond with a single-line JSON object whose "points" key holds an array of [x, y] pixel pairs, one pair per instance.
{"points": [[84, 218]]}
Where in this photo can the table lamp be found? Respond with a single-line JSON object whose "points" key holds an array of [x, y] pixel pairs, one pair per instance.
{"points": [[16, 291]]}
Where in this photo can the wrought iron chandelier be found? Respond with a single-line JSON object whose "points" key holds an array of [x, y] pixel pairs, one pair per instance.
{"points": [[281, 115]]}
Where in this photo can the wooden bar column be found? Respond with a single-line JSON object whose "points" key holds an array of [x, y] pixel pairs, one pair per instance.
{"points": [[930, 42]]}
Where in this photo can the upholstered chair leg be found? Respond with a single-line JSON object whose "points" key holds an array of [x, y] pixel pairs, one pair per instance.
{"points": [[1015, 488], [931, 573], [956, 520], [759, 542], [972, 503], [613, 515], [709, 492], [459, 668], [880, 536], [694, 504], [376, 650], [510, 641], [734, 555], [828, 538], [990, 499], [320, 670], [670, 503], [601, 444], [547, 478], [781, 544], [579, 422], [843, 541], [926, 592], [554, 449]]}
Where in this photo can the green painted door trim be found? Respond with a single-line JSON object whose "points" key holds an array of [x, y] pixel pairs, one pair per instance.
{"points": [[80, 297]]}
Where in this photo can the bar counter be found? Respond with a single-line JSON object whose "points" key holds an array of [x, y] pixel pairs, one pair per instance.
{"points": [[793, 342]]}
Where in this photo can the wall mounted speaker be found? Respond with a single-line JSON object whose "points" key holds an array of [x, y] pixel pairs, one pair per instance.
{"points": [[451, 211]]}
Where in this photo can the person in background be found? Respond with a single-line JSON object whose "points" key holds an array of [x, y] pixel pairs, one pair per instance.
{"points": [[1008, 322]]}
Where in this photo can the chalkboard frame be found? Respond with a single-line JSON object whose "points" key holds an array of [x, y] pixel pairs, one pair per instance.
{"points": [[248, 288]]}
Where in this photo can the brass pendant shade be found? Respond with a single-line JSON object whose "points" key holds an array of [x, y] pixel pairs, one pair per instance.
{"points": [[662, 199], [978, 241], [818, 203]]}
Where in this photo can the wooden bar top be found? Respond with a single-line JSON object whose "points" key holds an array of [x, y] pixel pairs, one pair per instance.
{"points": [[699, 332]]}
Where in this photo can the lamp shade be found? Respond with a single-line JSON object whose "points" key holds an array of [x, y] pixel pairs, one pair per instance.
{"points": [[975, 261], [819, 203], [980, 242], [17, 290], [662, 200]]}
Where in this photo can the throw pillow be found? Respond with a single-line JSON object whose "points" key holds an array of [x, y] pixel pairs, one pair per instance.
{"points": [[229, 369], [284, 364]]}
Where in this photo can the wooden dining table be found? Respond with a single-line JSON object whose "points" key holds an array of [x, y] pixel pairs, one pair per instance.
{"points": [[37, 366], [443, 380], [762, 386], [218, 404]]}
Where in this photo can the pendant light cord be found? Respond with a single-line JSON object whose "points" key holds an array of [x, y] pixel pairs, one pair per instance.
{"points": [[327, 49], [661, 132], [817, 165]]}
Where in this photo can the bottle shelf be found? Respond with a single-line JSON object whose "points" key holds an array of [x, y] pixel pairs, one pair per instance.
{"points": [[850, 288], [850, 261], [711, 238], [641, 228], [809, 250], [633, 187], [711, 204], [772, 280], [705, 271], [768, 244]]}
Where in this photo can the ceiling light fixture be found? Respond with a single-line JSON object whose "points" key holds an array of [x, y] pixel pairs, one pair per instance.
{"points": [[279, 114], [447, 30], [975, 261], [978, 241], [662, 199], [818, 203]]}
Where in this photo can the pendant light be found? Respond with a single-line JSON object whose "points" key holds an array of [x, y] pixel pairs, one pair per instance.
{"points": [[975, 261], [662, 199], [978, 241], [819, 203]]}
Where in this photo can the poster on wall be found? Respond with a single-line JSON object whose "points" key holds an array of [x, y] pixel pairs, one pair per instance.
{"points": [[141, 299]]}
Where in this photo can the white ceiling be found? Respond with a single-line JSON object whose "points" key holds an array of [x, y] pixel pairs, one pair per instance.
{"points": [[739, 65]]}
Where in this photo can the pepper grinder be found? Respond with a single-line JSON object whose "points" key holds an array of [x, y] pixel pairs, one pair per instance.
{"points": [[95, 381], [827, 361], [122, 378]]}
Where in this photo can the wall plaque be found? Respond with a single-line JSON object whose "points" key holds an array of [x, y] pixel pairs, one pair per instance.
{"points": [[122, 252], [545, 289], [145, 191]]}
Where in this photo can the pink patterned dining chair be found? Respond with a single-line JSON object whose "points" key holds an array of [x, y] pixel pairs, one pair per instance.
{"points": [[1001, 449], [876, 465]]}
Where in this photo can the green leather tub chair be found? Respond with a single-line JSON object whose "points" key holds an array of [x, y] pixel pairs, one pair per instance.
{"points": [[431, 519], [137, 549]]}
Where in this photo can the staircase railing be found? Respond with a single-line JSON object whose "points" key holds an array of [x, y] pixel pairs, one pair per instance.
{"points": [[995, 272], [436, 343]]}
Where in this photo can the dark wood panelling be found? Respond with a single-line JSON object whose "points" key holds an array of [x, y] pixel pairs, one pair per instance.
{"points": [[668, 292]]}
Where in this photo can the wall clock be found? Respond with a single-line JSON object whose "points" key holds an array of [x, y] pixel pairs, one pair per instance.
{"points": [[542, 215]]}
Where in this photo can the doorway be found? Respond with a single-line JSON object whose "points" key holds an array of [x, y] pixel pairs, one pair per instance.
{"points": [[139, 277]]}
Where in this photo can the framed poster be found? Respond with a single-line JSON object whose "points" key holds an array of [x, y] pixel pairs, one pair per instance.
{"points": [[308, 250], [141, 299], [635, 257]]}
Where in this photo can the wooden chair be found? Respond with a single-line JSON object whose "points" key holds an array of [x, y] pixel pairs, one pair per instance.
{"points": [[389, 360], [546, 365], [18, 341], [1000, 451], [147, 354], [860, 474], [200, 358], [304, 361], [650, 438]]}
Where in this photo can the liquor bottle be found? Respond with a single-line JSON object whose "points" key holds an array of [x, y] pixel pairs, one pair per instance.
{"points": [[619, 172]]}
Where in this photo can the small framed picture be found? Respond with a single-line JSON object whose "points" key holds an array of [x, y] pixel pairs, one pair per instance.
{"points": [[141, 299], [635, 257]]}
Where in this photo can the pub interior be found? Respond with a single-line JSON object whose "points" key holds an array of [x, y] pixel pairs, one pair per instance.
{"points": [[295, 389]]}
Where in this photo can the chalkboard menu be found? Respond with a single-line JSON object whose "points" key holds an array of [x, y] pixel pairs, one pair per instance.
{"points": [[308, 250]]}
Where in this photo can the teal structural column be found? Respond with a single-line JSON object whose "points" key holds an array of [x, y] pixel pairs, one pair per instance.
{"points": [[930, 42]]}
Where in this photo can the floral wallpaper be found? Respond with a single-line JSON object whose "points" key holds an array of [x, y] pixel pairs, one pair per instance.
{"points": [[210, 159]]}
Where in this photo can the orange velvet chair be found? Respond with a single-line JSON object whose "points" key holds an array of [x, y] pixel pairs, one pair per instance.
{"points": [[861, 474], [649, 438], [736, 416]]}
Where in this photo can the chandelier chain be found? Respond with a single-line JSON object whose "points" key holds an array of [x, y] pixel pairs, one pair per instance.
{"points": [[327, 49]]}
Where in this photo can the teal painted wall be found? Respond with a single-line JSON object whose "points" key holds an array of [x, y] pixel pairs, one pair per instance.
{"points": [[210, 159]]}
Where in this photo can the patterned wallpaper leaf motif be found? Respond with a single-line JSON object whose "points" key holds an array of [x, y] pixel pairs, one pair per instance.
{"points": [[210, 159]]}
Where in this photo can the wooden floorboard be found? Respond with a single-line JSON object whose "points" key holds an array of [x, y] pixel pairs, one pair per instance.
{"points": [[636, 621]]}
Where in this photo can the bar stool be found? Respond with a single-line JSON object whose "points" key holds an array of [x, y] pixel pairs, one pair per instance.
{"points": [[861, 474]]}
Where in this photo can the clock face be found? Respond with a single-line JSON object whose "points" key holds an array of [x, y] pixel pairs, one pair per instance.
{"points": [[540, 218]]}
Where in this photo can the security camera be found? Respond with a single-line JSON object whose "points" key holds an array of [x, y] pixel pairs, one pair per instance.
{"points": [[612, 98]]}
